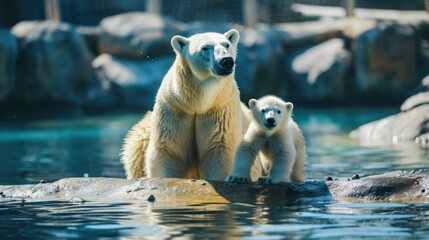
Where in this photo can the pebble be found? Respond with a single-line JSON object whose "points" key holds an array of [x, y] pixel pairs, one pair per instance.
{"points": [[356, 176], [77, 200], [151, 198]]}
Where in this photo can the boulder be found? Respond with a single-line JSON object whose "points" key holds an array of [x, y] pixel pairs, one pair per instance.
{"points": [[321, 73], [136, 82], [137, 35], [54, 63], [411, 125], [386, 60], [259, 69], [415, 101], [8, 56], [393, 186]]}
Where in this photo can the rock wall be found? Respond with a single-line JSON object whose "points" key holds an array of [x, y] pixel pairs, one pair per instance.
{"points": [[327, 62], [8, 55]]}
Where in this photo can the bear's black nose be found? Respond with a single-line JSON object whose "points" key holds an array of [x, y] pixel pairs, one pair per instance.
{"points": [[227, 63], [271, 121]]}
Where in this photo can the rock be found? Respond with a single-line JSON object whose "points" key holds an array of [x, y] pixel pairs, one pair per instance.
{"points": [[137, 35], [321, 73], [423, 139], [136, 82], [92, 35], [393, 186], [259, 71], [303, 34], [54, 63], [405, 126], [415, 101], [386, 60], [8, 56], [425, 83]]}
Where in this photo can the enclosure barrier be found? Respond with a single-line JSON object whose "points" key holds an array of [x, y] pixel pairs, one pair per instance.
{"points": [[249, 12]]}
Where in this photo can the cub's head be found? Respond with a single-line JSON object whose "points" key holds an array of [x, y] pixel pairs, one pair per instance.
{"points": [[208, 54], [270, 112]]}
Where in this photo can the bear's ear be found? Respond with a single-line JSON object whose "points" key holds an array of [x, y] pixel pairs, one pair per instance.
{"points": [[289, 106], [252, 103], [233, 36], [179, 43]]}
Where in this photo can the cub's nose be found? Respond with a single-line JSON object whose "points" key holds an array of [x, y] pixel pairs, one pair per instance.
{"points": [[227, 63], [271, 121]]}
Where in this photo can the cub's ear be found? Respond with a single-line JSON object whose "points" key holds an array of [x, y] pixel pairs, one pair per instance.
{"points": [[179, 43], [233, 36], [289, 106], [252, 103]]}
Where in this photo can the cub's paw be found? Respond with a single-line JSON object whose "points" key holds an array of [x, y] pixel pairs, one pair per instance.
{"points": [[271, 180], [238, 179]]}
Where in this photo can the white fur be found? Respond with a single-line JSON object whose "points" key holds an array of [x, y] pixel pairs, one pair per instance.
{"points": [[196, 123], [280, 145]]}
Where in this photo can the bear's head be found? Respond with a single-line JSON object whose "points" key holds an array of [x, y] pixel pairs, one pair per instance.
{"points": [[208, 55], [270, 112]]}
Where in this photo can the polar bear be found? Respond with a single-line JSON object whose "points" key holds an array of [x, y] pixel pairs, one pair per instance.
{"points": [[196, 123], [276, 138]]}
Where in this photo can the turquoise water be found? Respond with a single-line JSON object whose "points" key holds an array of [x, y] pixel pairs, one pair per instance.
{"points": [[53, 149]]}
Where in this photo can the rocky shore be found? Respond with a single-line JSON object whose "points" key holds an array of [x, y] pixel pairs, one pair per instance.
{"points": [[120, 63], [392, 186]]}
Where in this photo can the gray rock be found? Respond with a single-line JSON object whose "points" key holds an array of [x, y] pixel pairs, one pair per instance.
{"points": [[425, 83], [259, 68], [411, 125], [415, 101], [8, 56], [321, 72], [386, 60], [136, 81], [137, 35], [393, 186], [54, 63]]}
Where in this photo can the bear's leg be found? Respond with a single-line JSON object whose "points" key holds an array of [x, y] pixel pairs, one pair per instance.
{"points": [[298, 173], [283, 157], [161, 164], [243, 162], [217, 137], [171, 145]]}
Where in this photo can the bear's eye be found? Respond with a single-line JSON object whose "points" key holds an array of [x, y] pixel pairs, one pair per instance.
{"points": [[227, 45], [278, 111], [205, 48], [263, 110]]}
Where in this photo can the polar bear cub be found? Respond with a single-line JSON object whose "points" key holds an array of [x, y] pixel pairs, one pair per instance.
{"points": [[277, 139]]}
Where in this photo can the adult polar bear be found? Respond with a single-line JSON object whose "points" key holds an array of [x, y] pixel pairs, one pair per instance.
{"points": [[196, 123]]}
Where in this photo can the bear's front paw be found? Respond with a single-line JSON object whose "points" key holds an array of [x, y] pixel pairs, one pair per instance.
{"points": [[271, 180], [238, 179]]}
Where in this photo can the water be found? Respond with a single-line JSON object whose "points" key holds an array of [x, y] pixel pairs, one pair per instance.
{"points": [[54, 149]]}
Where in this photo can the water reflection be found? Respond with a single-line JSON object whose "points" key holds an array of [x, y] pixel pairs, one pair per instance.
{"points": [[53, 220]]}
